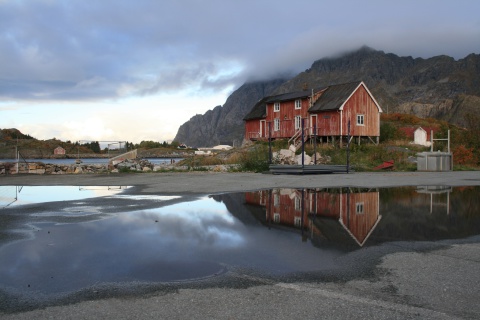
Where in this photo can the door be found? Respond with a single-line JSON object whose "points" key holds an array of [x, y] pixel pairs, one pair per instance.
{"points": [[263, 127], [313, 124]]}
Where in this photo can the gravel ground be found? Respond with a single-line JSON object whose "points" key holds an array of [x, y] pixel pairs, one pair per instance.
{"points": [[208, 182]]}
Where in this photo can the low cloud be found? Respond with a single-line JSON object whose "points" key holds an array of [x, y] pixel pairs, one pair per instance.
{"points": [[55, 50]]}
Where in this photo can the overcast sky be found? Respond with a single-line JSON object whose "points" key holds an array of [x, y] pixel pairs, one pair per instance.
{"points": [[137, 70]]}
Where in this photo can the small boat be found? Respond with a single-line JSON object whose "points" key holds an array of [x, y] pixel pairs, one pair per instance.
{"points": [[78, 161]]}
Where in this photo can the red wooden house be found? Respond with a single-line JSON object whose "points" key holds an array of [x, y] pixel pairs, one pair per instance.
{"points": [[59, 150], [323, 113]]}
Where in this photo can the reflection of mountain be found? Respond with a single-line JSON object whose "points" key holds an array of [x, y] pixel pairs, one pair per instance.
{"points": [[345, 215]]}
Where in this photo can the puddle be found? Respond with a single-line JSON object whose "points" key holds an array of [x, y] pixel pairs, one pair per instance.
{"points": [[62, 239], [23, 195]]}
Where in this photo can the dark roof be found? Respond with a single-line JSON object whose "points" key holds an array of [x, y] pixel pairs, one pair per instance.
{"points": [[288, 96], [334, 97], [260, 108]]}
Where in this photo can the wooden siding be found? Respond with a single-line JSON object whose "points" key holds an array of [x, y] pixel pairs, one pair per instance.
{"points": [[328, 123], [286, 116], [360, 103], [252, 129], [358, 221]]}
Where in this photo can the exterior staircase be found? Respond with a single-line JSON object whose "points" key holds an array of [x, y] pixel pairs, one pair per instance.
{"points": [[296, 141]]}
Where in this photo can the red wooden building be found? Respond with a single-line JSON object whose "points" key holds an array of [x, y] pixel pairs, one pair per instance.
{"points": [[59, 150], [324, 113]]}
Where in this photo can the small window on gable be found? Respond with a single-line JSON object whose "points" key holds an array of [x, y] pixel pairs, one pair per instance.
{"points": [[276, 107], [298, 104], [360, 120], [359, 207]]}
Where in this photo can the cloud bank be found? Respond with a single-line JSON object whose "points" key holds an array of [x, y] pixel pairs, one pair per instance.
{"points": [[83, 50]]}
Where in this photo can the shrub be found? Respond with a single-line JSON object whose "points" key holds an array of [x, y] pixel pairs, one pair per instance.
{"points": [[254, 159], [464, 156]]}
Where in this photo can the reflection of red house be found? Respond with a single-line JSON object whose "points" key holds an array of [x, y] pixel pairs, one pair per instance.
{"points": [[357, 213], [325, 113], [59, 150]]}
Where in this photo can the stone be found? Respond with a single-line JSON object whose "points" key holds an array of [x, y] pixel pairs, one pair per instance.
{"points": [[306, 159], [287, 153], [219, 168]]}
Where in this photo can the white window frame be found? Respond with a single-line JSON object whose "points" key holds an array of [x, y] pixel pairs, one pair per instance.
{"points": [[298, 122], [276, 200], [298, 204], [298, 104], [276, 217], [276, 107], [359, 208], [297, 221], [360, 119], [276, 124]]}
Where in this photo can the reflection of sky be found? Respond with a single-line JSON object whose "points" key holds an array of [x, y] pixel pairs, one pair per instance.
{"points": [[176, 242], [42, 194]]}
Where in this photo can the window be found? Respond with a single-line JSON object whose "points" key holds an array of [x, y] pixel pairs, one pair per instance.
{"points": [[297, 222], [276, 124], [360, 120], [276, 107], [276, 217], [298, 204], [276, 200], [298, 122], [298, 104], [359, 207]]}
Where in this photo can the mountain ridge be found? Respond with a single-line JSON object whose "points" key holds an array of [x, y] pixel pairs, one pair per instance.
{"points": [[438, 87]]}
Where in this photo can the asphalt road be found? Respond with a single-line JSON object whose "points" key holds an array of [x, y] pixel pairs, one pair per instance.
{"points": [[393, 281]]}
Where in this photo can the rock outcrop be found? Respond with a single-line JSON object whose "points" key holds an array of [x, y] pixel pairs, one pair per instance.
{"points": [[224, 124]]}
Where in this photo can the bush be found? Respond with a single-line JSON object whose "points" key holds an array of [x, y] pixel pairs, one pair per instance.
{"points": [[464, 156], [254, 159]]}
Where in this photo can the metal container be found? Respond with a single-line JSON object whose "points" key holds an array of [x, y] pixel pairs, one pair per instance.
{"points": [[434, 161]]}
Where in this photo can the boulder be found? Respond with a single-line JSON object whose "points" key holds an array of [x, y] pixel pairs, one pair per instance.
{"points": [[306, 159]]}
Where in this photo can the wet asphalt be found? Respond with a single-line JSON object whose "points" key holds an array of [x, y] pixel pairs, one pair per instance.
{"points": [[397, 280]]}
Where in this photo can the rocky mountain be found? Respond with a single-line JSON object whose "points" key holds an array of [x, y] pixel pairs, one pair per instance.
{"points": [[438, 87], [224, 125]]}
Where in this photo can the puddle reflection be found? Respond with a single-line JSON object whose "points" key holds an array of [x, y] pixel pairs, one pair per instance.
{"points": [[331, 213], [143, 238], [22, 195]]}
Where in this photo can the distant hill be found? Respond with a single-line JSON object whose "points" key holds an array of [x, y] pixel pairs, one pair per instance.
{"points": [[439, 87], [12, 134]]}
